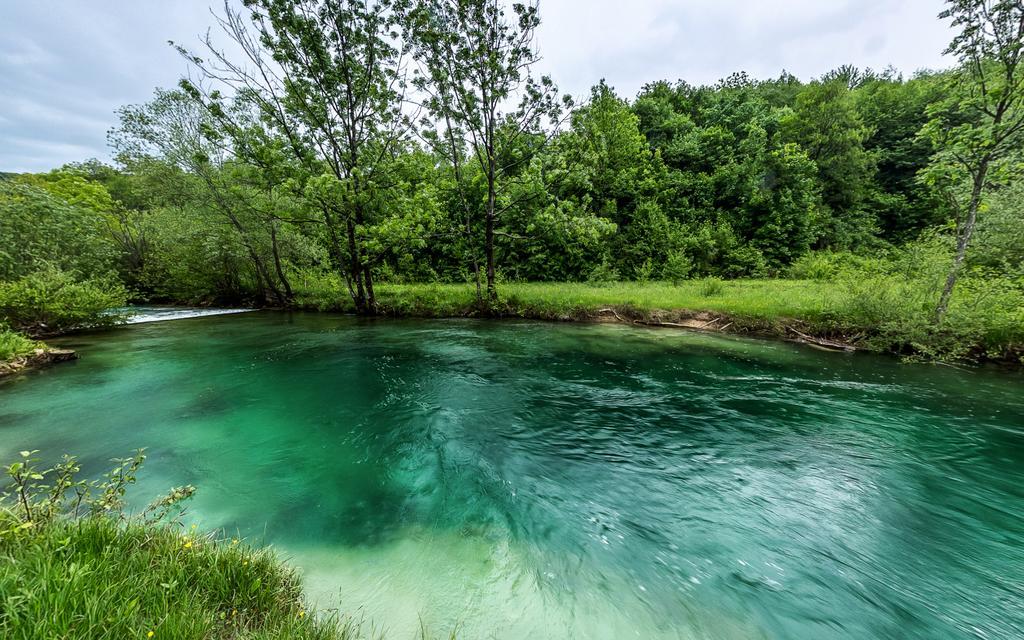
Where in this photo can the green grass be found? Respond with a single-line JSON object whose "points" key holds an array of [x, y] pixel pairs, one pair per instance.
{"points": [[100, 579], [14, 345], [764, 300], [878, 312]]}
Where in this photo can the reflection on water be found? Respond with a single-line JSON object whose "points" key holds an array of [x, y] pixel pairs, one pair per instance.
{"points": [[564, 481]]}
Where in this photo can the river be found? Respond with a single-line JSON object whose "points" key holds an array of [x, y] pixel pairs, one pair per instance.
{"points": [[531, 480]]}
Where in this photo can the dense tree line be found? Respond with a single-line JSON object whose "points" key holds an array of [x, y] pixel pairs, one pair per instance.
{"points": [[411, 142]]}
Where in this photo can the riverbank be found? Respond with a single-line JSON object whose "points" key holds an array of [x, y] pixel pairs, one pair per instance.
{"points": [[883, 315], [96, 578], [778, 309], [75, 563], [18, 353]]}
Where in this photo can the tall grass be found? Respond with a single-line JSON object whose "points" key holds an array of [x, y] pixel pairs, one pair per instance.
{"points": [[73, 565], [761, 299], [94, 578]]}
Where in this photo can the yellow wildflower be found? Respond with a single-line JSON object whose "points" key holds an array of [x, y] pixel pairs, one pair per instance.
{"points": [[302, 613], [150, 634], [188, 544]]}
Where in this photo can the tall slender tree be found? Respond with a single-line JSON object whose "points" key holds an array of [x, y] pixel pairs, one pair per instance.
{"points": [[475, 75], [328, 76], [979, 128]]}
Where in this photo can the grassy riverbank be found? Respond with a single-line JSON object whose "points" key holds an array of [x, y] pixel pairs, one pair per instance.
{"points": [[74, 564], [872, 312], [95, 578], [759, 301], [18, 353]]}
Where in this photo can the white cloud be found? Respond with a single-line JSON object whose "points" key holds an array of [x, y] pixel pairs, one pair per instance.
{"points": [[702, 41], [65, 67]]}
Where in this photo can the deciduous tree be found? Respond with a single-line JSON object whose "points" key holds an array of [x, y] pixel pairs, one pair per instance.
{"points": [[978, 130]]}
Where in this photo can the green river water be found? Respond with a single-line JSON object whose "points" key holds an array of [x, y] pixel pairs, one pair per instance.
{"points": [[531, 480]]}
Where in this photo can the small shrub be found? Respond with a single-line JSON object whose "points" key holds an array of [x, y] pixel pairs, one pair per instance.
{"points": [[603, 273], [744, 262], [677, 268], [828, 266], [320, 290], [891, 301], [644, 271], [710, 287], [821, 266]]}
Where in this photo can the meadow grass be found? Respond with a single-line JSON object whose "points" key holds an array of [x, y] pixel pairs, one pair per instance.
{"points": [[97, 578], [756, 299], [764, 300], [877, 312]]}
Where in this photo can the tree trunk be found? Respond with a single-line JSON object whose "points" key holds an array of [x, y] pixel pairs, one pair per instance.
{"points": [[356, 269], [337, 256], [492, 291], [371, 297], [457, 166], [289, 296], [963, 240], [263, 274], [370, 300], [476, 269]]}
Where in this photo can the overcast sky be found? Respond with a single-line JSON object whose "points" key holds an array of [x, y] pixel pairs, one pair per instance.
{"points": [[66, 65]]}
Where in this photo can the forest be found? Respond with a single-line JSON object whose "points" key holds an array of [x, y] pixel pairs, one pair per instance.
{"points": [[405, 158]]}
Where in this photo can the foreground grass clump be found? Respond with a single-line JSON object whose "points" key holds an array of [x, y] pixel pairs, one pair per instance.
{"points": [[74, 565], [14, 345]]}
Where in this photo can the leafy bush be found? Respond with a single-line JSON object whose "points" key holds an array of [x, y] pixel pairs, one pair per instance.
{"points": [[745, 262], [710, 287], [677, 268], [190, 259], [999, 243], [891, 301], [716, 250], [14, 345], [644, 271], [818, 265], [320, 290], [603, 273], [51, 301]]}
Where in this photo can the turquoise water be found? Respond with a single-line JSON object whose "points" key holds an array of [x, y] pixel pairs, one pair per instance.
{"points": [[530, 480]]}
